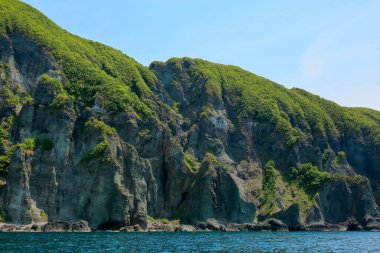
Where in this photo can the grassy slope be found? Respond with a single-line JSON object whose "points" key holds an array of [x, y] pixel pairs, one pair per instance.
{"points": [[90, 68], [295, 113]]}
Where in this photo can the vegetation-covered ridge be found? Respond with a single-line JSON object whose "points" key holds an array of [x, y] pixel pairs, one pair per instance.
{"points": [[295, 112], [296, 115], [89, 70]]}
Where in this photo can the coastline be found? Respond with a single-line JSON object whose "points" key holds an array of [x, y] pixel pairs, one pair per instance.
{"points": [[272, 225]]}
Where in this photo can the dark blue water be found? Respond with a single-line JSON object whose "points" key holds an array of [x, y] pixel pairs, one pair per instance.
{"points": [[191, 242]]}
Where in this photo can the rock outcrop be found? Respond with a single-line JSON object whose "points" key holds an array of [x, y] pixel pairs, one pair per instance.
{"points": [[61, 226]]}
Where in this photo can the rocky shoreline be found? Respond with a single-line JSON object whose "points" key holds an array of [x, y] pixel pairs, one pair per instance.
{"points": [[273, 225]]}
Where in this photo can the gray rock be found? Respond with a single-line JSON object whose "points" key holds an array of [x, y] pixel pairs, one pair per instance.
{"points": [[185, 228], [291, 217], [127, 229], [372, 224], [63, 226], [216, 195], [8, 227], [314, 216], [137, 228], [58, 226], [80, 226], [325, 227], [277, 225], [37, 227], [340, 200], [201, 225]]}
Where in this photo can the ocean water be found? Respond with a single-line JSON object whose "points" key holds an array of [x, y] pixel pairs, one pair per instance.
{"points": [[192, 242]]}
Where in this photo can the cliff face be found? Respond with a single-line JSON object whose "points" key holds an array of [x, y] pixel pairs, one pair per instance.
{"points": [[87, 133]]}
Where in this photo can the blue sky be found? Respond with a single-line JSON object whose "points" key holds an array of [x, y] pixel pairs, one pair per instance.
{"points": [[328, 47]]}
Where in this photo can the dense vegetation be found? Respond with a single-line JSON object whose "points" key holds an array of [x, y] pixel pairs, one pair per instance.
{"points": [[309, 177], [269, 194], [90, 70], [297, 115], [191, 163]]}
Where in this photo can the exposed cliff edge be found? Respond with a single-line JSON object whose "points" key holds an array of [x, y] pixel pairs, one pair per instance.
{"points": [[88, 134]]}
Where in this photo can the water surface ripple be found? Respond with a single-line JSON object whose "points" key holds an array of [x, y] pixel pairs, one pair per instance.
{"points": [[192, 242]]}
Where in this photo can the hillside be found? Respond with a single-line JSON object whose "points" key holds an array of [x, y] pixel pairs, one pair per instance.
{"points": [[87, 133]]}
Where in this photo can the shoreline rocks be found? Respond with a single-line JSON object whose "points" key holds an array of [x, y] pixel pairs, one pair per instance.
{"points": [[62, 226], [52, 226], [273, 225]]}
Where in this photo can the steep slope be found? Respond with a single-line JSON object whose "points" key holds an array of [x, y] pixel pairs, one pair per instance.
{"points": [[88, 133], [247, 122], [297, 118], [59, 160]]}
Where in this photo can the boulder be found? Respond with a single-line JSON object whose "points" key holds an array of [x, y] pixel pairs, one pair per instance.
{"points": [[80, 226], [35, 227], [314, 215], [201, 225], [215, 226], [185, 228], [277, 225], [137, 228], [7, 227], [58, 226], [63, 226], [353, 225], [325, 227], [127, 229], [372, 224], [291, 217]]}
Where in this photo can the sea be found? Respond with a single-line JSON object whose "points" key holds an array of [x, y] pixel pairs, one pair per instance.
{"points": [[192, 242]]}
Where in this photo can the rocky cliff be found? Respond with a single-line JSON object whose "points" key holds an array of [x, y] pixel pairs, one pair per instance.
{"points": [[87, 133]]}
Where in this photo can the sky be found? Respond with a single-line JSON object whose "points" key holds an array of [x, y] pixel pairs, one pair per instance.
{"points": [[328, 47]]}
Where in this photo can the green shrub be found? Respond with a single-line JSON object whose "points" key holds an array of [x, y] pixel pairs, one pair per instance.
{"points": [[52, 82], [4, 216], [98, 152], [27, 147], [44, 216], [340, 158], [326, 156], [175, 107], [191, 162], [269, 184], [28, 144], [4, 163], [60, 100], [145, 133], [11, 99], [210, 158], [5, 127], [308, 177], [162, 220], [93, 123]]}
